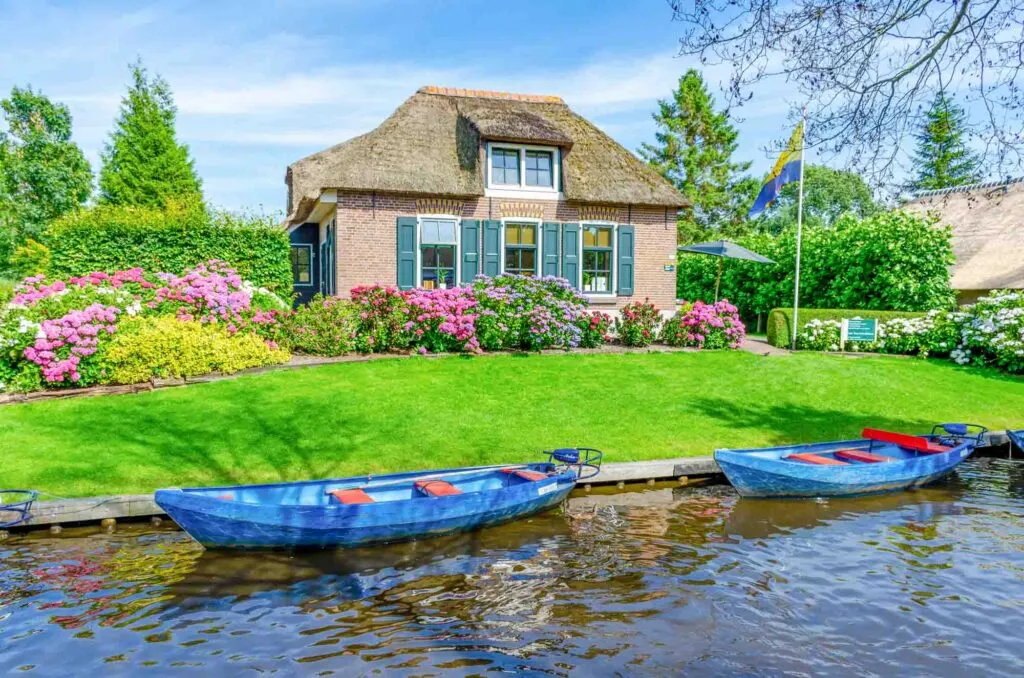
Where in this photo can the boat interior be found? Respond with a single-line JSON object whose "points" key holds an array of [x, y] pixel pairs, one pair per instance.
{"points": [[881, 447], [395, 487]]}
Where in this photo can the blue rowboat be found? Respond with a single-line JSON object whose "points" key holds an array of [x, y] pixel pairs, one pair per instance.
{"points": [[881, 461], [1017, 438], [367, 510]]}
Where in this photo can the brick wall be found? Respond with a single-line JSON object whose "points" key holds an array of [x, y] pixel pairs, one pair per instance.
{"points": [[367, 248]]}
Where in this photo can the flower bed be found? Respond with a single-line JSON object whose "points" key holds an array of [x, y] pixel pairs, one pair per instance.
{"points": [[706, 326], [55, 333], [989, 333]]}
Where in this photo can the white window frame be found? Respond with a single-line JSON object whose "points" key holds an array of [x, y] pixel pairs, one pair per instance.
{"points": [[539, 223], [613, 291], [420, 218], [312, 264], [553, 192]]}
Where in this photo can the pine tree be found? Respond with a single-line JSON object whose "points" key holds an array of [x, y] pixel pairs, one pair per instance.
{"points": [[43, 174], [694, 149], [942, 158], [143, 163]]}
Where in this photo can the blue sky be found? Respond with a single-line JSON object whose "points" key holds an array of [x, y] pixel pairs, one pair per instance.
{"points": [[260, 84]]}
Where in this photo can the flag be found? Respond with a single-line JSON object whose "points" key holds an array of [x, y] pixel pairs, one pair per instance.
{"points": [[786, 171]]}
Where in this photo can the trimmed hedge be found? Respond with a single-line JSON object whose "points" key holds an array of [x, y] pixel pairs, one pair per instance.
{"points": [[111, 238], [780, 320]]}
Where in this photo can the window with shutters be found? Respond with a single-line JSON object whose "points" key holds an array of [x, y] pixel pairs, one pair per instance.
{"points": [[598, 258], [516, 170], [439, 251], [521, 248]]}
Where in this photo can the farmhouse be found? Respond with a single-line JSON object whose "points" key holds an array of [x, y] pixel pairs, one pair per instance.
{"points": [[457, 183], [988, 234]]}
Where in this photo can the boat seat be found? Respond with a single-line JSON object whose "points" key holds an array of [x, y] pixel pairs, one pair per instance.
{"points": [[437, 488], [861, 455], [903, 440], [815, 459], [525, 474], [355, 496]]}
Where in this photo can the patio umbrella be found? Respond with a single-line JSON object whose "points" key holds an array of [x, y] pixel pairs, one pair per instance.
{"points": [[725, 249]]}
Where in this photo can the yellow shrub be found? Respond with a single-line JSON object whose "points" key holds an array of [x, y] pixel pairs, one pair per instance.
{"points": [[167, 347]]}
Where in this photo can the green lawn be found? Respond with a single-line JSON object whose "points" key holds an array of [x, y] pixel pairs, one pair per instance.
{"points": [[403, 414]]}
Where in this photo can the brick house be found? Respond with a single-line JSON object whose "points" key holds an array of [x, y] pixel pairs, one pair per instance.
{"points": [[462, 182]]}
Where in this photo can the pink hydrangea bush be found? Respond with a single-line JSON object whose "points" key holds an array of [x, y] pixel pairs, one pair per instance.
{"points": [[383, 313], [705, 326], [442, 320]]}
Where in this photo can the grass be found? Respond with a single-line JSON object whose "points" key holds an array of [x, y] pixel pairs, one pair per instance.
{"points": [[387, 415]]}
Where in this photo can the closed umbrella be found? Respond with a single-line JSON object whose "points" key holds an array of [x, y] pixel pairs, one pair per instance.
{"points": [[725, 249]]}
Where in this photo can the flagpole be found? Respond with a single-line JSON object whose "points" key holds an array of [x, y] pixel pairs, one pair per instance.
{"points": [[799, 226]]}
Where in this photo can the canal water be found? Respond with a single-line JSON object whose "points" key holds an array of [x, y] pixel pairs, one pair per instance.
{"points": [[656, 581]]}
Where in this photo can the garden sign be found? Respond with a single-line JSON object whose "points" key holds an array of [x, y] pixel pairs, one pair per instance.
{"points": [[860, 330]]}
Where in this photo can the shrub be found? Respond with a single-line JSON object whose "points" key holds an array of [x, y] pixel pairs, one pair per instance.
{"points": [[710, 326], [594, 328], [166, 347], [936, 333], [442, 320], [526, 313], [819, 335], [780, 320], [383, 313], [993, 332], [637, 324], [31, 258], [891, 260], [112, 238], [326, 326]]}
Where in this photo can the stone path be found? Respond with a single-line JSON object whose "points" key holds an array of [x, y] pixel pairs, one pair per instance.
{"points": [[760, 346]]}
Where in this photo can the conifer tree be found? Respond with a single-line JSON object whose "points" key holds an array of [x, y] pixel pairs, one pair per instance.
{"points": [[694, 149], [143, 163], [942, 158]]}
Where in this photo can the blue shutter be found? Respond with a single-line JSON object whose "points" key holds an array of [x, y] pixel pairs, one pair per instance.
{"points": [[571, 253], [549, 245], [492, 248], [626, 247], [470, 243], [406, 253]]}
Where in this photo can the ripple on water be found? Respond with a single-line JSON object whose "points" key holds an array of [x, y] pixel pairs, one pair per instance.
{"points": [[654, 581]]}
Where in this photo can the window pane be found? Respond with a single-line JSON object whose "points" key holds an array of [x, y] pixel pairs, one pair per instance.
{"points": [[589, 237], [604, 261], [589, 260], [604, 237], [428, 229], [512, 234], [446, 256], [511, 260], [446, 231], [529, 260], [429, 257], [504, 166], [528, 234]]}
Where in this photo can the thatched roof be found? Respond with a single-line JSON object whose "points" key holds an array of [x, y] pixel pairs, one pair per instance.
{"points": [[430, 145], [988, 232]]}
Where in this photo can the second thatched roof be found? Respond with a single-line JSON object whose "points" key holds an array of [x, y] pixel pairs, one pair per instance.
{"points": [[988, 232], [431, 145]]}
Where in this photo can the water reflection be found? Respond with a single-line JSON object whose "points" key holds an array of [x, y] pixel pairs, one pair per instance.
{"points": [[655, 581]]}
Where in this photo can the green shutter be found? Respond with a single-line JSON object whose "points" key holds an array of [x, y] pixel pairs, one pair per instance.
{"points": [[571, 253], [549, 245], [626, 247], [492, 248], [470, 243], [406, 253]]}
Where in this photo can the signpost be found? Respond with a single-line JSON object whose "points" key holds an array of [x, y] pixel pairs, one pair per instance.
{"points": [[861, 330]]}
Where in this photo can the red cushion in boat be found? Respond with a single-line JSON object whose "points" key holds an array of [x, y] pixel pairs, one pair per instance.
{"points": [[437, 488], [861, 455], [903, 440], [355, 496], [524, 474], [815, 459]]}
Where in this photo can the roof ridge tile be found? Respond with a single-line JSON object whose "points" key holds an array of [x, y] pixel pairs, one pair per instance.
{"points": [[491, 94]]}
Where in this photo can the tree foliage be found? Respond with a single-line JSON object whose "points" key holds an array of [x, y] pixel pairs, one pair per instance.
{"points": [[942, 158], [868, 69], [694, 148], [143, 163], [891, 261], [43, 174], [828, 195]]}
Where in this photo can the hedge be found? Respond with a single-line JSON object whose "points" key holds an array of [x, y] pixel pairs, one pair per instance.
{"points": [[780, 320], [110, 238]]}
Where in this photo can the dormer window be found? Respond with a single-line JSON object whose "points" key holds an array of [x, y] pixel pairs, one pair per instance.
{"points": [[519, 170]]}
